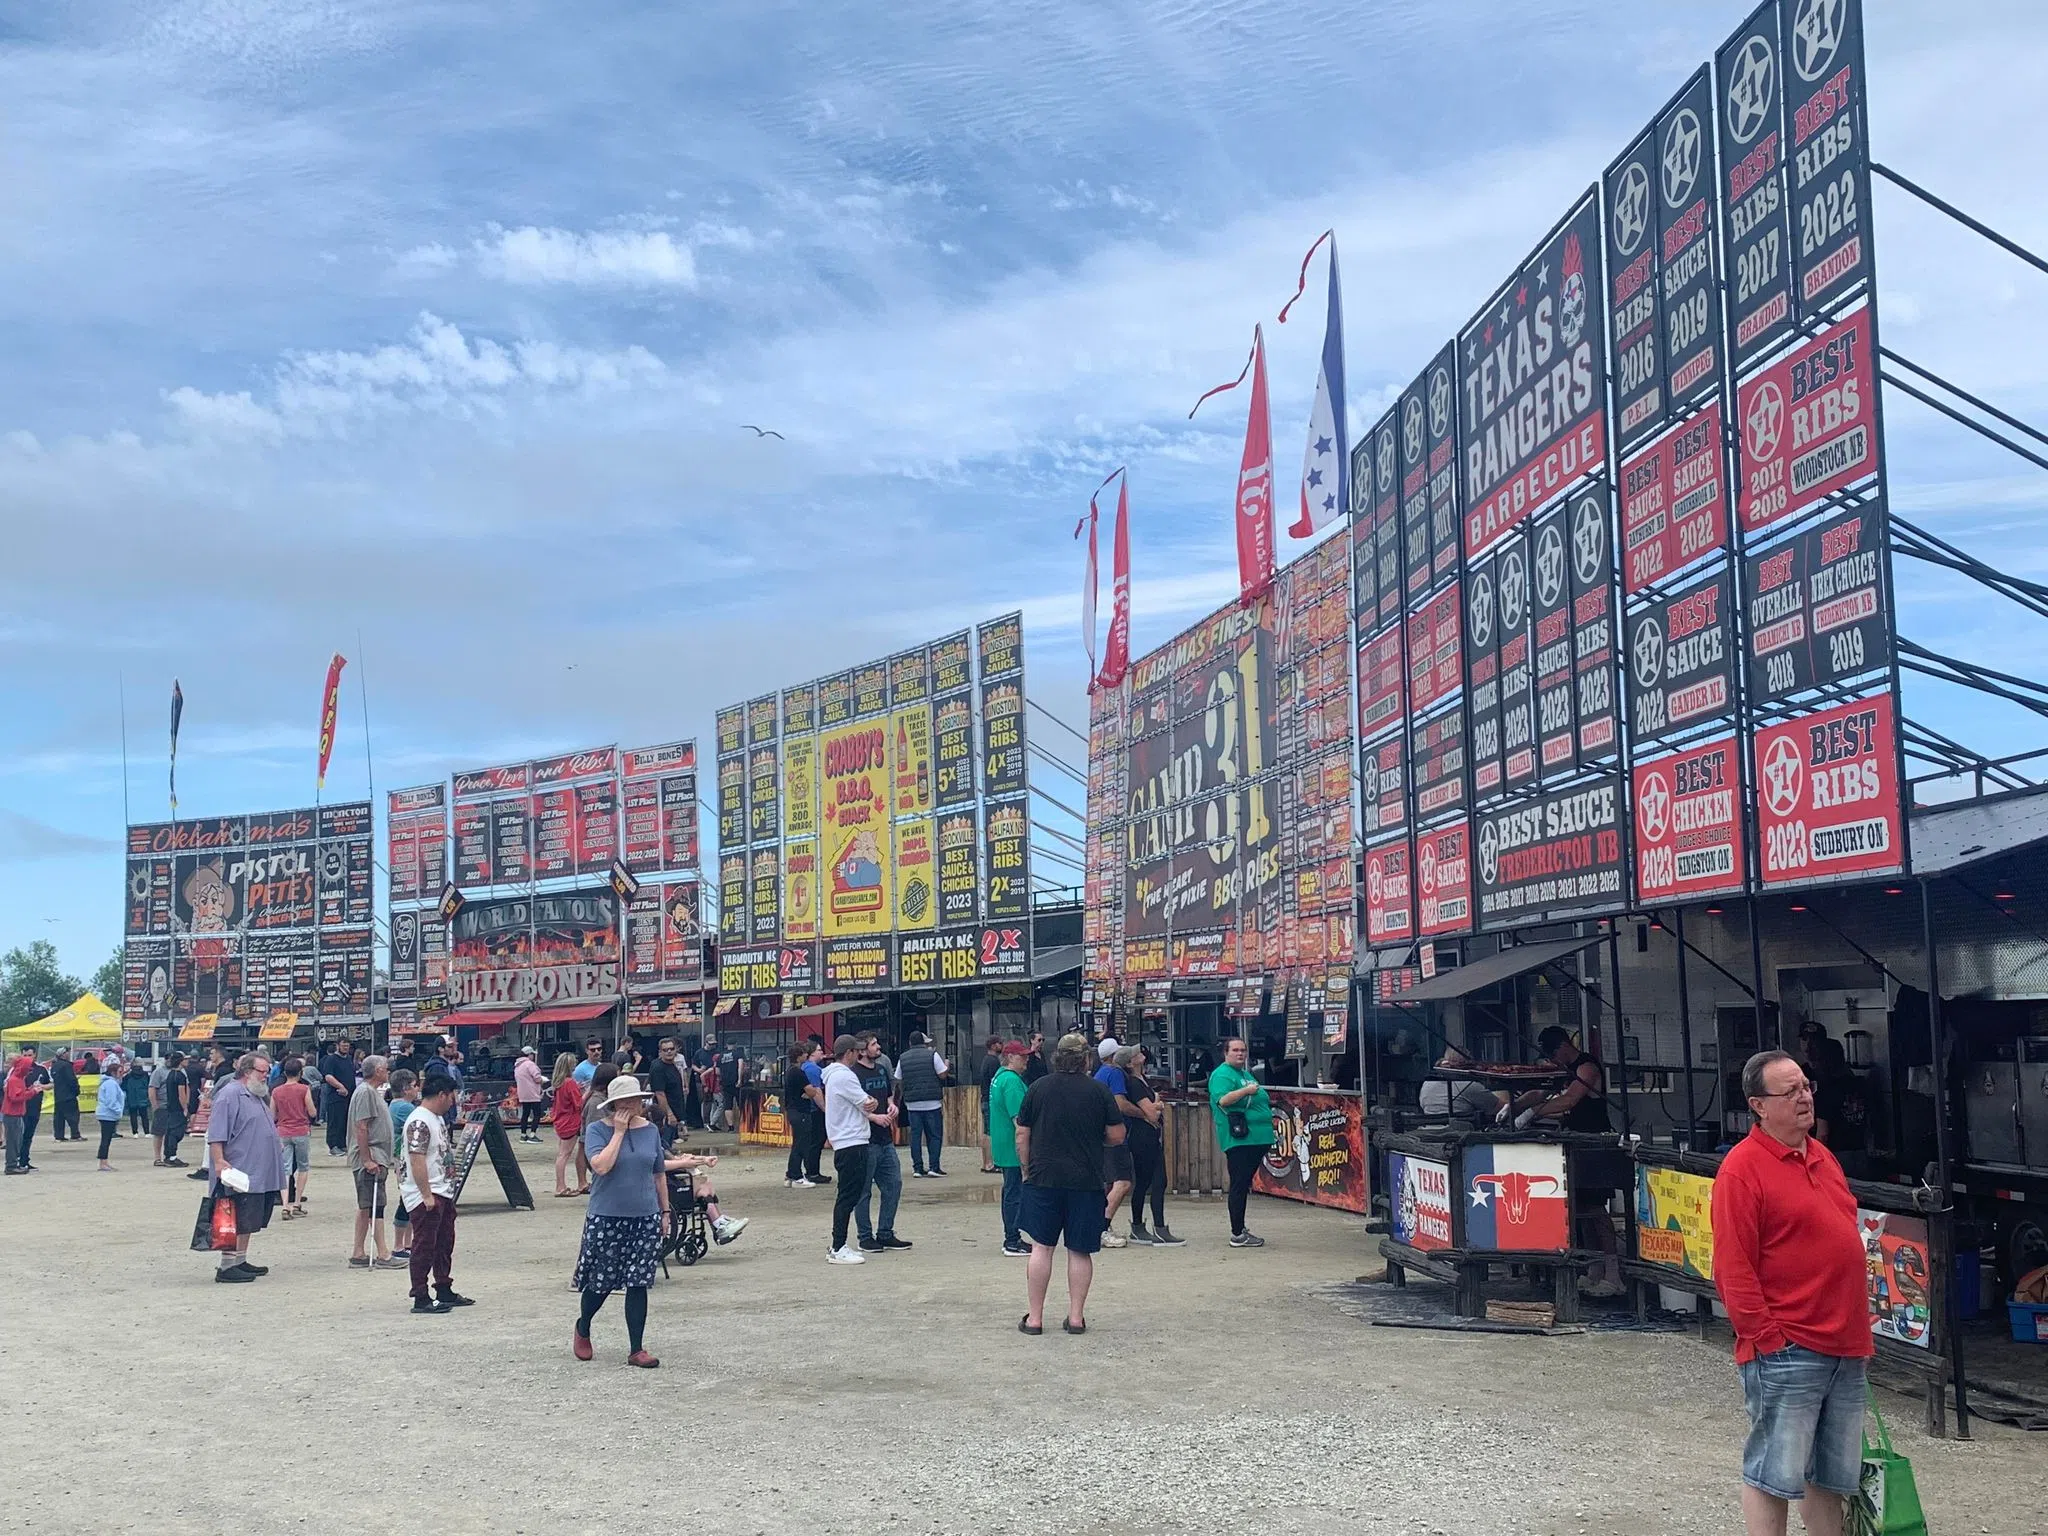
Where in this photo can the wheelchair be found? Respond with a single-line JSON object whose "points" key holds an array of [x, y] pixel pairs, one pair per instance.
{"points": [[687, 1237]]}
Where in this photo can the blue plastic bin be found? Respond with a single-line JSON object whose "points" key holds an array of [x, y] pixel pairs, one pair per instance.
{"points": [[2029, 1323]]}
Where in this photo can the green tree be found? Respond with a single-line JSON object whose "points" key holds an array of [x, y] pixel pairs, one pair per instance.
{"points": [[106, 981], [33, 984]]}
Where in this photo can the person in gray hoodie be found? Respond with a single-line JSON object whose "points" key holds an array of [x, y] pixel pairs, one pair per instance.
{"points": [[921, 1072]]}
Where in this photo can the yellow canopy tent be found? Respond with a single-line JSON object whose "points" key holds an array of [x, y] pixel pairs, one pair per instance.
{"points": [[84, 1022]]}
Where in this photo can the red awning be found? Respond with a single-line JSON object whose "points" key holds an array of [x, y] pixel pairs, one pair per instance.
{"points": [[568, 1013], [463, 1018]]}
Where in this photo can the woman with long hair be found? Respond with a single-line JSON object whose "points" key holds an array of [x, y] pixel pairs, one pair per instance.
{"points": [[628, 1209], [567, 1112]]}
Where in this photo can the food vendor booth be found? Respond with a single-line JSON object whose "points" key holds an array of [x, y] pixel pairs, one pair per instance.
{"points": [[86, 1026]]}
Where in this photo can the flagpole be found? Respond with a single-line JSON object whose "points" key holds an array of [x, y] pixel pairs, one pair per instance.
{"points": [[121, 686]]}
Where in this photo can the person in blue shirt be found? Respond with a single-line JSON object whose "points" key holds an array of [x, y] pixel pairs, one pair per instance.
{"points": [[593, 1053], [110, 1108], [1117, 1169]]}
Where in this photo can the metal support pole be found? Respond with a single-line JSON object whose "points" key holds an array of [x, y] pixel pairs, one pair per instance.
{"points": [[1692, 1118], [1756, 968], [1620, 1019], [1938, 1046]]}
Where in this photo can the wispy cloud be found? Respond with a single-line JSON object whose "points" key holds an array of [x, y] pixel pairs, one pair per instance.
{"points": [[624, 259], [24, 838]]}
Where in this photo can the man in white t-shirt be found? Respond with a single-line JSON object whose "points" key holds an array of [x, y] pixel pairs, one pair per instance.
{"points": [[426, 1183], [849, 1115]]}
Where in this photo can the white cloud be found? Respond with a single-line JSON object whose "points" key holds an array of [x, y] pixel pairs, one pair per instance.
{"points": [[602, 259]]}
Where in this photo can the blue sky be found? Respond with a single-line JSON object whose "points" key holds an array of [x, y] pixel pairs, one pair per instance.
{"points": [[435, 323]]}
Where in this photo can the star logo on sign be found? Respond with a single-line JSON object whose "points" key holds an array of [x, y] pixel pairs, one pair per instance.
{"points": [[1783, 775], [1482, 610], [1480, 1194], [1549, 566], [1489, 853], [1372, 878], [1439, 402], [1653, 807], [1427, 866], [1411, 431], [1514, 589], [1504, 314], [1646, 651], [1765, 421], [1817, 30], [1543, 275], [1589, 541], [1386, 461], [1631, 208], [1752, 87], [1681, 158]]}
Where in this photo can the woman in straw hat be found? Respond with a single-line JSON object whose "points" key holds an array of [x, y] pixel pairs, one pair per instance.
{"points": [[628, 1207]]}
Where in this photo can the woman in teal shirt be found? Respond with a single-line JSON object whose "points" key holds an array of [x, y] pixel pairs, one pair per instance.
{"points": [[1234, 1092]]}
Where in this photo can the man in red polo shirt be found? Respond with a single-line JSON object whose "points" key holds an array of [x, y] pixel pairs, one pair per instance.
{"points": [[1789, 1264]]}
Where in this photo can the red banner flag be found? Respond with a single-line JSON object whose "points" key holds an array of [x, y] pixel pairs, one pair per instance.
{"points": [[329, 706], [1255, 488], [1116, 650]]}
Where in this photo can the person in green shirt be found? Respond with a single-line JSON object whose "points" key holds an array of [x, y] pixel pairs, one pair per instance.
{"points": [[1005, 1095], [1236, 1096]]}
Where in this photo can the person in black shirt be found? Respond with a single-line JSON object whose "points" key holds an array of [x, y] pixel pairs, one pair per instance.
{"points": [[797, 1113], [885, 1169], [173, 1109], [63, 1098], [1063, 1126], [1142, 1134], [666, 1079], [338, 1076], [1034, 1064]]}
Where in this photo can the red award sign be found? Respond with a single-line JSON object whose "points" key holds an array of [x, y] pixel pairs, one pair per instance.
{"points": [[1443, 866], [1827, 793], [1807, 424], [1389, 894], [1689, 823], [1674, 501]]}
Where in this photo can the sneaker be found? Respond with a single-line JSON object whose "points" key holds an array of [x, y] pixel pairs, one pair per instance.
{"points": [[940, 1173], [1244, 1240], [1141, 1236], [392, 1261], [870, 1245], [358, 1263], [422, 1307], [172, 1162], [1115, 1240], [235, 1276], [726, 1228], [919, 1173], [891, 1240], [403, 1255], [456, 1299], [1018, 1252], [196, 1173], [798, 1184], [822, 1179], [254, 1269], [1163, 1237], [845, 1256]]}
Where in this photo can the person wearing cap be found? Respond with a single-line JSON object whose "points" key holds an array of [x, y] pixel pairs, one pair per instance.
{"points": [[1118, 1175], [921, 1075], [1005, 1098], [426, 1183], [530, 1087], [623, 1224]]}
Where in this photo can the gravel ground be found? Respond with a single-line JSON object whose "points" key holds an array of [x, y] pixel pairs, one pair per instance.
{"points": [[1214, 1385]]}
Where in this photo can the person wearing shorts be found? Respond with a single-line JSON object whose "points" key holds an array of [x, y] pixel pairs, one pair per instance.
{"points": [[369, 1161], [1064, 1126], [292, 1107], [1789, 1265]]}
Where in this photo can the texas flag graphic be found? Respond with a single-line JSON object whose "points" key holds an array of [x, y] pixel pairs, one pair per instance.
{"points": [[1515, 1199]]}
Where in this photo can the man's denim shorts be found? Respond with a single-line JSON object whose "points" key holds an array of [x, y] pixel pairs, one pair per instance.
{"points": [[1805, 1422]]}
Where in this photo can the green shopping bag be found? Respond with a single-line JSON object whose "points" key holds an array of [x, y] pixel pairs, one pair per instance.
{"points": [[1887, 1501]]}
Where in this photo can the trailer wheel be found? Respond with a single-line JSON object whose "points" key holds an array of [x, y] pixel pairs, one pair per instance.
{"points": [[2024, 1248]]}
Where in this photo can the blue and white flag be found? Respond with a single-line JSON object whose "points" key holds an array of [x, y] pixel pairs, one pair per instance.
{"points": [[1325, 467]]}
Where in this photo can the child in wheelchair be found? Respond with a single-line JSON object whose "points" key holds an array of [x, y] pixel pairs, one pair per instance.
{"points": [[693, 1204]]}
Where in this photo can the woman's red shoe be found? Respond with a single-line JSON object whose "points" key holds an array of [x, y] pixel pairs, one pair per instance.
{"points": [[644, 1360], [583, 1349]]}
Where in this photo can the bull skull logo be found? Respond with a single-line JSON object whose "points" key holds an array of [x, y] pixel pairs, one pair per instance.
{"points": [[1514, 1190]]}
